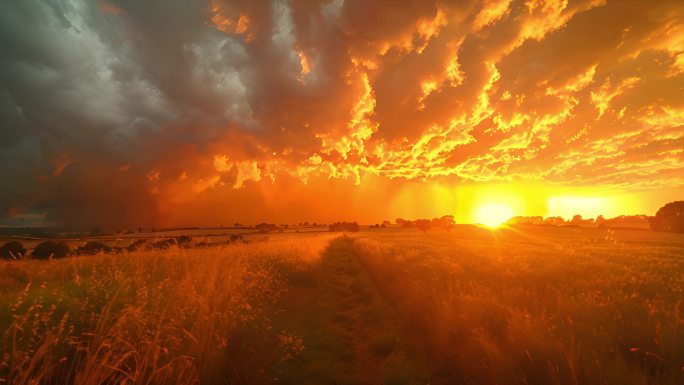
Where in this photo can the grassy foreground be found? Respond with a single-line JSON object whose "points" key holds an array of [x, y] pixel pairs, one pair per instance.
{"points": [[527, 306]]}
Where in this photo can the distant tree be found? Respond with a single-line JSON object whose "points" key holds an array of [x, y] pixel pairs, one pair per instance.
{"points": [[386, 223], [669, 218], [423, 224], [51, 249], [266, 226], [448, 222], [577, 219], [555, 221], [12, 250], [600, 221]]}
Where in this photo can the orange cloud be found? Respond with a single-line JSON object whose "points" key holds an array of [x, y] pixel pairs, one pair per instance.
{"points": [[250, 99]]}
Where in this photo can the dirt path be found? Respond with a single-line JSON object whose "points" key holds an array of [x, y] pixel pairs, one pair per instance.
{"points": [[350, 335]]}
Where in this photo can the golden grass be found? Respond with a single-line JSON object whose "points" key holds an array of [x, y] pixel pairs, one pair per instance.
{"points": [[163, 317], [507, 308], [539, 306]]}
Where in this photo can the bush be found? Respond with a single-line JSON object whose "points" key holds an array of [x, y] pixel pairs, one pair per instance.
{"points": [[164, 244], [92, 248], [184, 241], [51, 249], [136, 245], [12, 250]]}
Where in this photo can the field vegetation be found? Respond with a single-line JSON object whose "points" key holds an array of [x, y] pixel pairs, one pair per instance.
{"points": [[524, 305]]}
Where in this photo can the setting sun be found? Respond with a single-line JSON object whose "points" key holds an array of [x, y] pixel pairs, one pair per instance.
{"points": [[493, 215]]}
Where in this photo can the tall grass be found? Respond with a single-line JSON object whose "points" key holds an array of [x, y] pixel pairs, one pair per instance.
{"points": [[503, 308], [165, 317]]}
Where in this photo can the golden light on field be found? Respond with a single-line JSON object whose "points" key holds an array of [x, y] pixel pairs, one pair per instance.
{"points": [[493, 215]]}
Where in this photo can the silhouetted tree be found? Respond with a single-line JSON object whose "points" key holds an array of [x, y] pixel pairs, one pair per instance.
{"points": [[669, 218], [51, 249], [423, 224], [12, 250], [600, 221], [266, 226], [555, 221]]}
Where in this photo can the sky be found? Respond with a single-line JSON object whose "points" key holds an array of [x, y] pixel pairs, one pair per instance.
{"points": [[122, 113]]}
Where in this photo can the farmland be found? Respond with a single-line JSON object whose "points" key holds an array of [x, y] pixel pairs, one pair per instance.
{"points": [[525, 305]]}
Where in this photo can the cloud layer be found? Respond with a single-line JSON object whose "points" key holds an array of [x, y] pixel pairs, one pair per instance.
{"points": [[139, 112]]}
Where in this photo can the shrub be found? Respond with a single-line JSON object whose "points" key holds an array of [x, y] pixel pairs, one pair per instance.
{"points": [[12, 250], [164, 244], [183, 241], [51, 249], [136, 245], [92, 248]]}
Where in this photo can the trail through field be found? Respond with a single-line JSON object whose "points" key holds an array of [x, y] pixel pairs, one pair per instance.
{"points": [[350, 335]]}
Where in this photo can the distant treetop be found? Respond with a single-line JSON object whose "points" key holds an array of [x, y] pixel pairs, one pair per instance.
{"points": [[669, 218]]}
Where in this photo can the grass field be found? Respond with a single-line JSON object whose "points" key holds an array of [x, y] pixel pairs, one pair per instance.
{"points": [[529, 305]]}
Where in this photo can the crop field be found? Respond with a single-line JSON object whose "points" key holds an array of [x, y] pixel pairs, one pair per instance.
{"points": [[522, 305]]}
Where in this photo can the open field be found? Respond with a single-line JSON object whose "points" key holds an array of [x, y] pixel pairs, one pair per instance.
{"points": [[528, 305]]}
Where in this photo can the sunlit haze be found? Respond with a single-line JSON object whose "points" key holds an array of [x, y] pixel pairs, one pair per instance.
{"points": [[493, 215], [193, 113]]}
